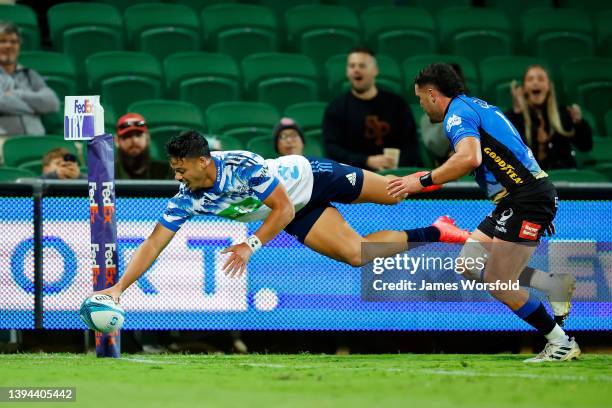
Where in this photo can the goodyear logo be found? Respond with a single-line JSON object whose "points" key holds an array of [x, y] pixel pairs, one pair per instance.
{"points": [[503, 166]]}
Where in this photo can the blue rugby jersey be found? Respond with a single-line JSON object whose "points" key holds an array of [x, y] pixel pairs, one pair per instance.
{"points": [[244, 180], [508, 164]]}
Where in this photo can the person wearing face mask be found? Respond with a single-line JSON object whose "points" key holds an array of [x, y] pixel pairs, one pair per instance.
{"points": [[359, 124], [133, 159], [288, 137], [549, 130]]}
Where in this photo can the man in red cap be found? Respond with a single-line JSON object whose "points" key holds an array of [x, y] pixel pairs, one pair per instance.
{"points": [[133, 159]]}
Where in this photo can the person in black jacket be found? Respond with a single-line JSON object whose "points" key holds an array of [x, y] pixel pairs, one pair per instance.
{"points": [[551, 132], [363, 121]]}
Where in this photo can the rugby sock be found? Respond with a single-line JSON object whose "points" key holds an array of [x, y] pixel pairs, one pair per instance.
{"points": [[537, 279], [427, 234], [534, 313]]}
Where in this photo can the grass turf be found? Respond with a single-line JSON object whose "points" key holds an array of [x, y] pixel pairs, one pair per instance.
{"points": [[314, 380]]}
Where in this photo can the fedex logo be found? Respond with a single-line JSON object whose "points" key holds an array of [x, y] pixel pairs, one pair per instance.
{"points": [[93, 206], [109, 264], [107, 201], [84, 107], [94, 263]]}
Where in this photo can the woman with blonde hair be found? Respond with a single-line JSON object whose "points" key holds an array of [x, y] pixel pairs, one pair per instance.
{"points": [[551, 132]]}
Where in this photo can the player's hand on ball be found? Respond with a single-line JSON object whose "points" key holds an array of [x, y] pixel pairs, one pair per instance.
{"points": [[238, 259], [113, 291]]}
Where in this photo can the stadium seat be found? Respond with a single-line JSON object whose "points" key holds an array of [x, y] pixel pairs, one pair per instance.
{"points": [[202, 78], [81, 29], [557, 35], [399, 32], [54, 121], [604, 32], [168, 118], [199, 5], [20, 149], [588, 82], [412, 66], [25, 18], [280, 79], [309, 115], [496, 74], [314, 148], [263, 146], [575, 175], [389, 74], [608, 123], [162, 29], [242, 120], [230, 143], [434, 6], [320, 31], [592, 7], [35, 166], [123, 77], [240, 30], [514, 10], [11, 174], [602, 150], [121, 5], [359, 6], [605, 169], [474, 32], [588, 116], [55, 68]]}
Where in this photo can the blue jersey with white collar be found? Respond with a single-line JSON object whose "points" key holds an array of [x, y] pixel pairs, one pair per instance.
{"points": [[508, 165], [243, 181]]}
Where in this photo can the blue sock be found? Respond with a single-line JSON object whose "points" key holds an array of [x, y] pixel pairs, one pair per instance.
{"points": [[534, 313], [427, 234]]}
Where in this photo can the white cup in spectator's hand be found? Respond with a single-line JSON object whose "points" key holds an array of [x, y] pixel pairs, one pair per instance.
{"points": [[393, 153]]}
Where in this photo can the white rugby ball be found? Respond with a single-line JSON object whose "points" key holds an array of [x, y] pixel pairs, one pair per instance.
{"points": [[101, 313]]}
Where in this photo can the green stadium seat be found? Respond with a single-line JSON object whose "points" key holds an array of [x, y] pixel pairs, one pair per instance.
{"points": [[474, 32], [280, 79], [309, 115], [121, 5], [168, 118], [54, 121], [588, 116], [412, 66], [82, 29], [199, 5], [402, 171], [605, 169], [320, 31], [240, 30], [21, 149], [162, 29], [434, 6], [593, 7], [389, 74], [124, 77], [399, 32], [314, 148], [588, 82], [35, 166], [557, 35], [11, 174], [55, 68], [230, 143], [359, 6], [576, 176], [280, 7], [497, 73], [263, 146], [601, 153], [202, 78], [604, 32], [25, 18], [514, 9], [608, 123], [242, 120]]}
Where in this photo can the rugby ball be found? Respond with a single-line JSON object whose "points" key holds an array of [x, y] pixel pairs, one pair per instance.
{"points": [[101, 313]]}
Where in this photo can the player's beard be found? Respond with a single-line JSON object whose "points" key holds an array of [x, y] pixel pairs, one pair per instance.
{"points": [[136, 166]]}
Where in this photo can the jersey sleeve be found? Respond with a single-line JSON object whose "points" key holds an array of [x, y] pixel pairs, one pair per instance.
{"points": [[256, 173], [461, 123], [177, 212]]}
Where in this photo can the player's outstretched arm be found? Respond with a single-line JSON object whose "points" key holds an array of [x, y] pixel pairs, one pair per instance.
{"points": [[466, 158], [281, 215], [142, 260]]}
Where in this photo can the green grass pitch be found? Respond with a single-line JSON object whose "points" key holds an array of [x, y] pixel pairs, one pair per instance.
{"points": [[438, 380]]}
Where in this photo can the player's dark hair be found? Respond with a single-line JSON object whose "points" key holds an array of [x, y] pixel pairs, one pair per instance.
{"points": [[443, 77], [189, 143]]}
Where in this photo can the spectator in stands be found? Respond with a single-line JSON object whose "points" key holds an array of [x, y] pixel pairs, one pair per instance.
{"points": [[59, 163], [24, 96], [433, 134], [133, 159], [548, 130], [363, 121], [288, 137]]}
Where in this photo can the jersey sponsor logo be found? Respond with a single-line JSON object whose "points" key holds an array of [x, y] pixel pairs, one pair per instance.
{"points": [[503, 166], [481, 103], [352, 178], [530, 231], [454, 120]]}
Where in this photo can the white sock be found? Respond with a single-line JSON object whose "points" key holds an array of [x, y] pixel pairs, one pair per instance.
{"points": [[542, 281], [557, 336]]}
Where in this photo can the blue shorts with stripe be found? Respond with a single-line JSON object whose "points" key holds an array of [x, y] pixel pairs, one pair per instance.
{"points": [[333, 182]]}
